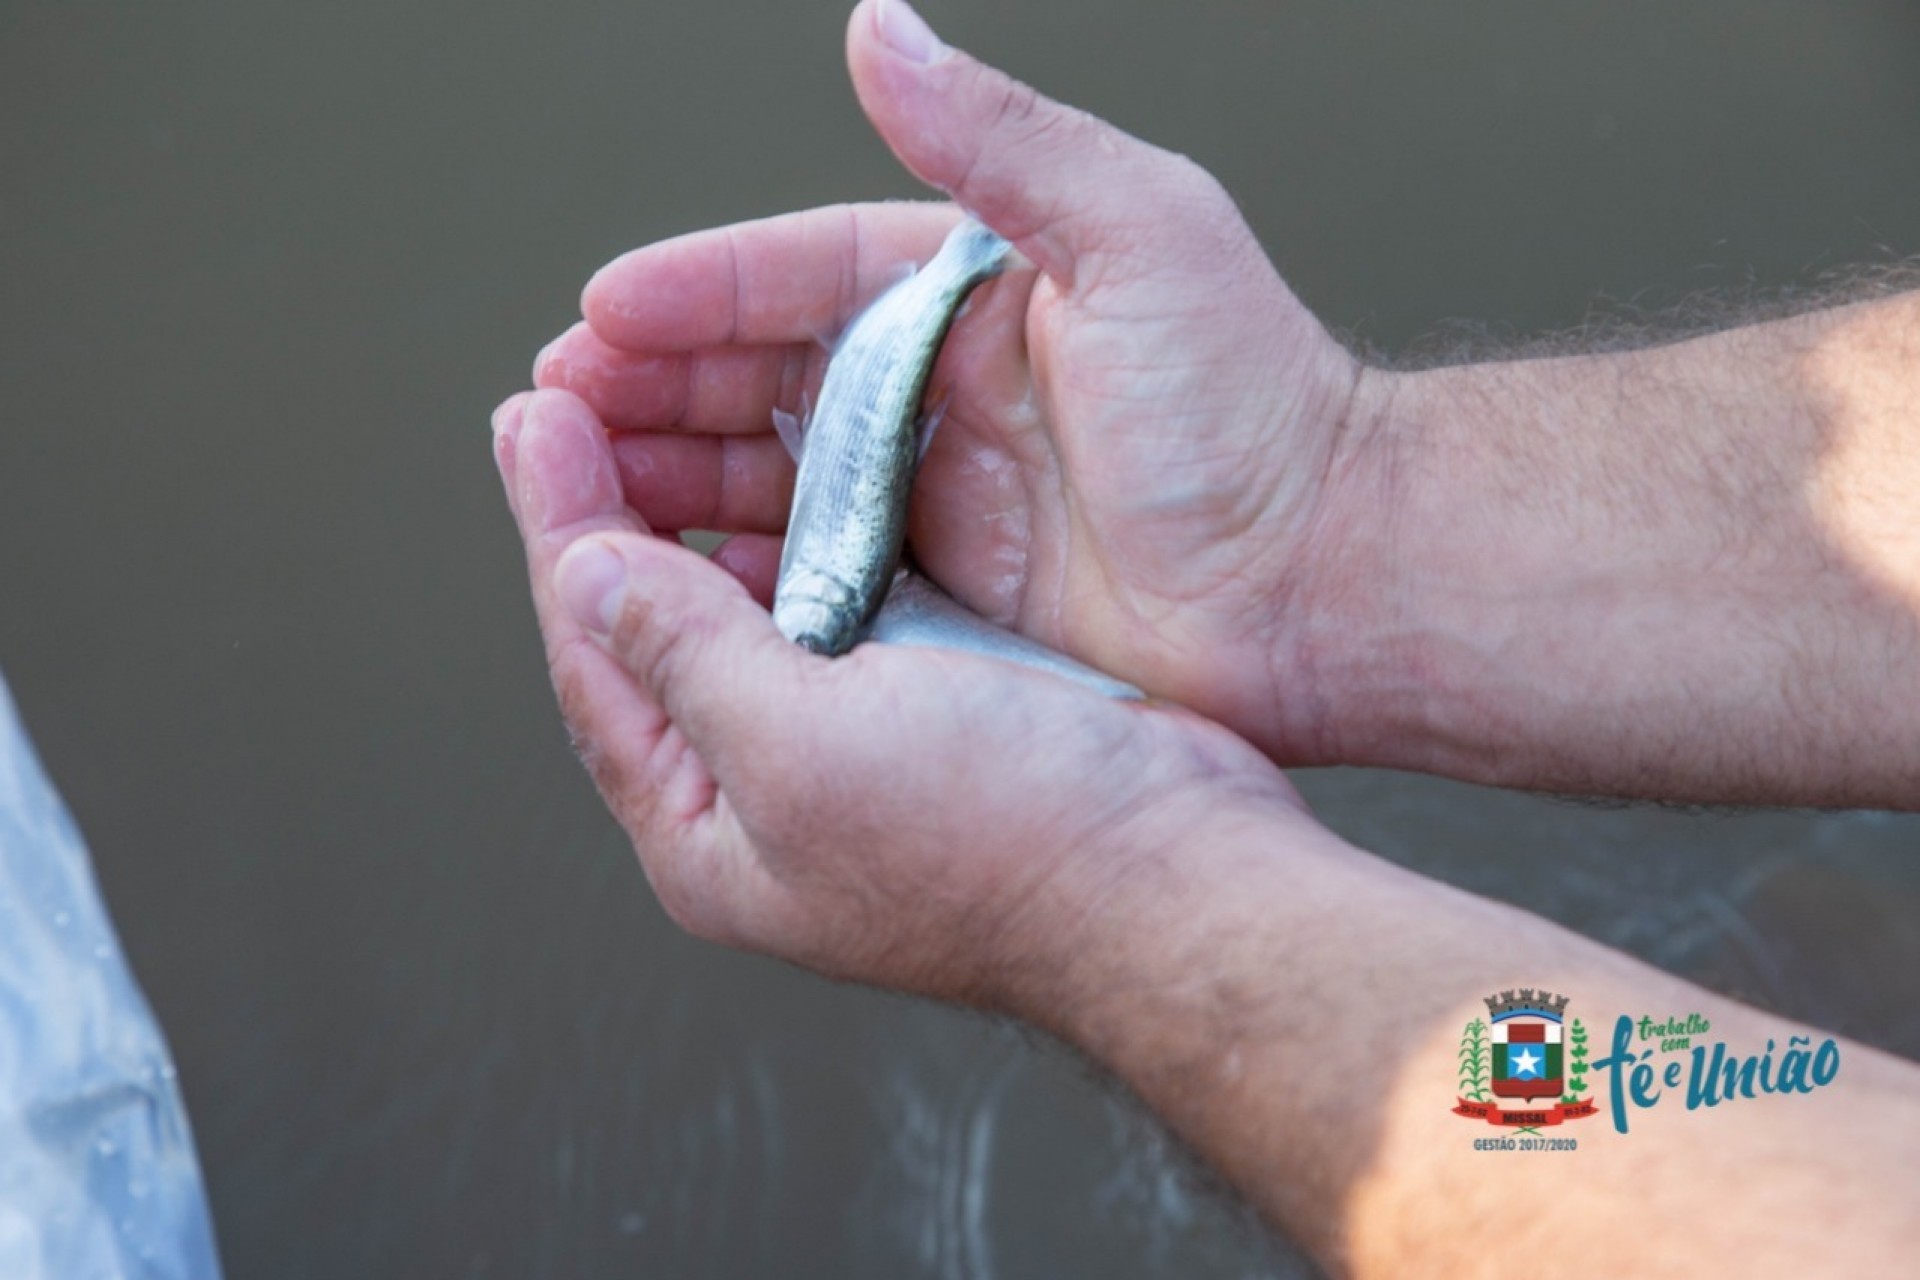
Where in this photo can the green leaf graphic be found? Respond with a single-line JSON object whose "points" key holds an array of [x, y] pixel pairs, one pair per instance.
{"points": [[1474, 1073]]}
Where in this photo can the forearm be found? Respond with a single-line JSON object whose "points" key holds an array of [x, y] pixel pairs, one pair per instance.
{"points": [[1688, 572], [1294, 1009]]}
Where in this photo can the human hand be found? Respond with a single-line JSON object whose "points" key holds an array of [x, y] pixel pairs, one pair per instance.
{"points": [[1144, 454], [865, 816]]}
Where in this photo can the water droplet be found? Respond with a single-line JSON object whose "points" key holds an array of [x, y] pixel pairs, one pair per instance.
{"points": [[101, 951], [632, 1223], [61, 919], [104, 1145], [137, 1189]]}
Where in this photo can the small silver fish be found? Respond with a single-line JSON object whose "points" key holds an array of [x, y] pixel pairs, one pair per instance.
{"points": [[859, 452], [918, 613]]}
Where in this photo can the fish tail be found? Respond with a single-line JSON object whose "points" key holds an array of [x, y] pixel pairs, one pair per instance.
{"points": [[975, 251]]}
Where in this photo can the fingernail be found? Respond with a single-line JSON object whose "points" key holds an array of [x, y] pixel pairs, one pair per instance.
{"points": [[907, 33], [591, 580]]}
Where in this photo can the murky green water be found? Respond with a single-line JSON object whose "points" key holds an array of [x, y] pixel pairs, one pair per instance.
{"points": [[265, 267]]}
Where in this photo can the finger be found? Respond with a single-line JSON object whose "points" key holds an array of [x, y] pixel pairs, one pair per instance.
{"points": [[1061, 184], [564, 477], [685, 637], [692, 639], [799, 277], [725, 483], [754, 559], [718, 389], [655, 784], [563, 486]]}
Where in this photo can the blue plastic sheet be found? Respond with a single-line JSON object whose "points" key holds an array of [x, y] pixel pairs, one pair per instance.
{"points": [[98, 1179]]}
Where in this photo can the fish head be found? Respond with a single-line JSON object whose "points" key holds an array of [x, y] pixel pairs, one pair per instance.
{"points": [[817, 612]]}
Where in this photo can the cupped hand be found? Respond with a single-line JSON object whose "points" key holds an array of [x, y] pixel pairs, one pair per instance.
{"points": [[936, 822], [1144, 454]]}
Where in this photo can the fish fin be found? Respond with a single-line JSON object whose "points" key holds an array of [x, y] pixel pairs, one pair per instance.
{"points": [[787, 427], [924, 429], [792, 428]]}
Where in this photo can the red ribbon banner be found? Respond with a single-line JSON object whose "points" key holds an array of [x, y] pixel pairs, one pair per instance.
{"points": [[1530, 1117]]}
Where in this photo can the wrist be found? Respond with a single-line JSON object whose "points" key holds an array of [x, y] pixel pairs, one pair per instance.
{"points": [[1607, 573], [1490, 590], [1201, 986], [1356, 650], [1131, 910]]}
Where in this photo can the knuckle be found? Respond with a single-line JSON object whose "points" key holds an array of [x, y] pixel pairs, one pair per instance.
{"points": [[1188, 192], [608, 769], [1030, 121], [1184, 175], [1021, 119], [1183, 218], [566, 668], [692, 890], [848, 288], [1019, 102], [689, 910], [1214, 210], [658, 649], [570, 686], [724, 496]]}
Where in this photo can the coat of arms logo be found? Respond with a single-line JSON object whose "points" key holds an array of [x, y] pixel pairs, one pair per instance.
{"points": [[1525, 1050]]}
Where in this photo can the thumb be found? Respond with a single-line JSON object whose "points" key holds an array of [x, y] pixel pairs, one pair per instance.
{"points": [[686, 631], [1061, 184]]}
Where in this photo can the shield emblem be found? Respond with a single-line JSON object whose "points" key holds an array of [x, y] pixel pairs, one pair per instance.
{"points": [[1527, 1057]]}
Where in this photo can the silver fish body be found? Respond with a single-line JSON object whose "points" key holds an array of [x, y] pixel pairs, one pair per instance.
{"points": [[859, 453], [918, 613]]}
